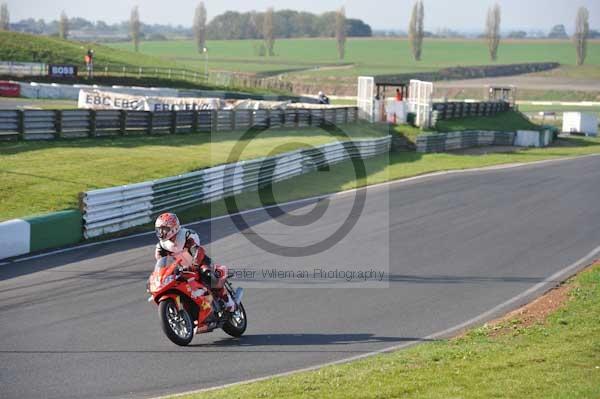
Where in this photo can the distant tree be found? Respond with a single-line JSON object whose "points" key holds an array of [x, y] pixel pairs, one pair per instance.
{"points": [[268, 32], [517, 34], [340, 32], [492, 30], [156, 37], [4, 17], [594, 34], [134, 27], [63, 26], [558, 32], [357, 28], [582, 30], [416, 31], [199, 27]]}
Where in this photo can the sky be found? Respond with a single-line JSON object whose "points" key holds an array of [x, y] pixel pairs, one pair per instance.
{"points": [[464, 15]]}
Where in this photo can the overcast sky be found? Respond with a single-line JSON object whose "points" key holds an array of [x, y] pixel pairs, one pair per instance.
{"points": [[380, 14]]}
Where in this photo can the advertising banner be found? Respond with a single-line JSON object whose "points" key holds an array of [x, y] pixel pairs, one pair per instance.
{"points": [[62, 71], [22, 68], [8, 89], [96, 99]]}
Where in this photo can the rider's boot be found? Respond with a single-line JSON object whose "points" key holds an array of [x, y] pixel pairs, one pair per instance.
{"points": [[228, 300]]}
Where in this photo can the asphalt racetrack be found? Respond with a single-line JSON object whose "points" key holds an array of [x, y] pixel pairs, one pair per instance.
{"points": [[452, 247]]}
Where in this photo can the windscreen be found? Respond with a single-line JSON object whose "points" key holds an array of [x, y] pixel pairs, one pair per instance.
{"points": [[164, 262]]}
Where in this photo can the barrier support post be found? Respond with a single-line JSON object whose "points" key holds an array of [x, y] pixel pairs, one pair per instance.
{"points": [[21, 124], [150, 122], [174, 122], [57, 124], [92, 119], [122, 122]]}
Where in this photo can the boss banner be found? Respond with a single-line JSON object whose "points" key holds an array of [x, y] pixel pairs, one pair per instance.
{"points": [[96, 99], [62, 71]]}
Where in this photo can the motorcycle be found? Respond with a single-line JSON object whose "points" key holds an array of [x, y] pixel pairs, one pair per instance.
{"points": [[187, 307]]}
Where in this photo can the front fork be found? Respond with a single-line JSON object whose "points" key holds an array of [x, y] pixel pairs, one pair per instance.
{"points": [[178, 303]]}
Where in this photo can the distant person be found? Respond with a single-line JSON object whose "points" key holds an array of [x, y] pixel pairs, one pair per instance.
{"points": [[323, 99], [89, 63], [398, 95]]}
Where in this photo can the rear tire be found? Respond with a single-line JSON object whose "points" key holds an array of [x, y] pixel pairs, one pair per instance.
{"points": [[237, 322], [177, 325]]}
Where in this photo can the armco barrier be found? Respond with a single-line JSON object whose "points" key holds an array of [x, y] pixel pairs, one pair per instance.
{"points": [[118, 208], [459, 140], [462, 109], [468, 139], [54, 124], [22, 236]]}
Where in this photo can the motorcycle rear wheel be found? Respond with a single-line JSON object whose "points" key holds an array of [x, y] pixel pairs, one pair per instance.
{"points": [[237, 322], [177, 325]]}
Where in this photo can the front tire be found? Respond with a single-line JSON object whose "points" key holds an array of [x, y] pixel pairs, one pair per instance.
{"points": [[237, 322], [177, 325]]}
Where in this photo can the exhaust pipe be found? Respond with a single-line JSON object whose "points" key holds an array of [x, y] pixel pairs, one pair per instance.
{"points": [[239, 293]]}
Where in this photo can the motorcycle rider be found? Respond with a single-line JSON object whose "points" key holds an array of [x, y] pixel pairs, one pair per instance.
{"points": [[174, 240]]}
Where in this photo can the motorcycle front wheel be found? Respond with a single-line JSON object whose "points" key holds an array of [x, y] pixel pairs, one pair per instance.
{"points": [[177, 325], [236, 324]]}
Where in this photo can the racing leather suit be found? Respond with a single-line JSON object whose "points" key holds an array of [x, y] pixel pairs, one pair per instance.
{"points": [[186, 246]]}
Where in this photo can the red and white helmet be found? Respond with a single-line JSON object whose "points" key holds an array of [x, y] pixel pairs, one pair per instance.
{"points": [[167, 226]]}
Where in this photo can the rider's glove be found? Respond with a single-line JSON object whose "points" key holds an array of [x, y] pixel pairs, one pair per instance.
{"points": [[179, 274]]}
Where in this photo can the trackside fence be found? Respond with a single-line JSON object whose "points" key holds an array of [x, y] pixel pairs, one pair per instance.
{"points": [[56, 124], [460, 109], [118, 208], [466, 139]]}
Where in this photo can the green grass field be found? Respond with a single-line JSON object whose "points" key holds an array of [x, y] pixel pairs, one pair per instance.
{"points": [[24, 47], [367, 56], [554, 358]]}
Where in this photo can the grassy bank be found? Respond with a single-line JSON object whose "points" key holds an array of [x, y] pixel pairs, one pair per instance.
{"points": [[22, 47], [557, 356], [47, 176], [505, 122]]}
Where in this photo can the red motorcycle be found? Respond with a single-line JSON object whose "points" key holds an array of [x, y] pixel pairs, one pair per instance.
{"points": [[187, 307]]}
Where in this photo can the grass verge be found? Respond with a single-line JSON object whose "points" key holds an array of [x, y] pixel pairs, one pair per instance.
{"points": [[557, 356], [38, 177]]}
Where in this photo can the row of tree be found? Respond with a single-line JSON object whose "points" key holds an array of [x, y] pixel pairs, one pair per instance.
{"points": [[267, 26], [285, 24], [416, 32], [230, 25]]}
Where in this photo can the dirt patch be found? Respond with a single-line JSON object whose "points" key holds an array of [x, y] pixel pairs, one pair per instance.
{"points": [[534, 312]]}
